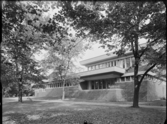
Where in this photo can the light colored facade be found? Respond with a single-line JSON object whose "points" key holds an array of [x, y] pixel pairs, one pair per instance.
{"points": [[109, 72], [109, 78]]}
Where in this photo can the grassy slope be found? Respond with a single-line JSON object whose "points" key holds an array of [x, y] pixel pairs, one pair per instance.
{"points": [[31, 112]]}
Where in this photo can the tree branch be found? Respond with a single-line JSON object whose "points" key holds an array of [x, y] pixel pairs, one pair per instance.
{"points": [[149, 70], [132, 47], [146, 73]]}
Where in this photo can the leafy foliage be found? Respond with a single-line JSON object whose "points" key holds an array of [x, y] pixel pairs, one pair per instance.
{"points": [[21, 40], [119, 26]]}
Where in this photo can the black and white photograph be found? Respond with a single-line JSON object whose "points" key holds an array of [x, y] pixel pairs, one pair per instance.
{"points": [[83, 62]]}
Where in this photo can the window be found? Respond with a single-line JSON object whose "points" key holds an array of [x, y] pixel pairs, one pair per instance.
{"points": [[122, 79], [100, 85], [115, 63], [120, 63], [96, 85], [123, 63], [104, 84], [97, 67], [111, 63], [127, 62], [132, 60], [93, 85], [108, 64], [128, 78], [104, 65], [100, 65]]}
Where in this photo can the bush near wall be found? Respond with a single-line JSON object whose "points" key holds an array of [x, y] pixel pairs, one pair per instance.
{"points": [[128, 91]]}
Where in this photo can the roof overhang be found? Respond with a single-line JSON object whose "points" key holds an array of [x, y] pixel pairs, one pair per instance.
{"points": [[139, 73], [104, 57], [102, 71], [101, 76]]}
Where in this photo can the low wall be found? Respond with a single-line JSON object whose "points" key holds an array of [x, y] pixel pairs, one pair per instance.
{"points": [[100, 95], [148, 91], [56, 92], [128, 91], [156, 90]]}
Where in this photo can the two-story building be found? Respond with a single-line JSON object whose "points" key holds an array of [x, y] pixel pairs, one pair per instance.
{"points": [[110, 78], [111, 72]]}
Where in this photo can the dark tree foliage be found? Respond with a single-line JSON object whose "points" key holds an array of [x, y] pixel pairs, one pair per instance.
{"points": [[121, 28], [20, 40]]}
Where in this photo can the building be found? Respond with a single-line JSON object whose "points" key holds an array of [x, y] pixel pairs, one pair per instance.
{"points": [[111, 72], [109, 78]]}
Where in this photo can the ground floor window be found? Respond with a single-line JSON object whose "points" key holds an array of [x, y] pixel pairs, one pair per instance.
{"points": [[102, 84], [59, 85]]}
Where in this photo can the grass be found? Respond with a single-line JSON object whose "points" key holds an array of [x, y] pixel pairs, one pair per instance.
{"points": [[38, 112], [150, 103]]}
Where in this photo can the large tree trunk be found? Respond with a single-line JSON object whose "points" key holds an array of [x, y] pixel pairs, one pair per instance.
{"points": [[136, 96], [136, 84], [20, 93]]}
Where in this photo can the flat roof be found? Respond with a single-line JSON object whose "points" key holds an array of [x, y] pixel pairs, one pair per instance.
{"points": [[106, 56]]}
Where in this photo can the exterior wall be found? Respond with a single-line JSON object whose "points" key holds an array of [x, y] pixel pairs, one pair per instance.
{"points": [[128, 91], [156, 89], [56, 92], [101, 95], [122, 91]]}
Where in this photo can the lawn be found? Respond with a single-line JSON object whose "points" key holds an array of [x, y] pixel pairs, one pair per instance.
{"points": [[38, 112]]}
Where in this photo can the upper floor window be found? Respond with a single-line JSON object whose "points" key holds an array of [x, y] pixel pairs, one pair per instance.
{"points": [[115, 63], [93, 67], [120, 63], [123, 63], [111, 63], [97, 66], [108, 64], [127, 62], [132, 60]]}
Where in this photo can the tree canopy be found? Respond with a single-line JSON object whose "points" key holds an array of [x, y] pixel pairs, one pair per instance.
{"points": [[119, 26]]}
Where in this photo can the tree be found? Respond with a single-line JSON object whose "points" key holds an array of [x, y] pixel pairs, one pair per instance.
{"points": [[20, 39], [119, 26], [60, 60]]}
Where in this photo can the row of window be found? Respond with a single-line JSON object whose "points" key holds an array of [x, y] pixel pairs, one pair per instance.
{"points": [[131, 78], [103, 84], [111, 83], [123, 63], [58, 85]]}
